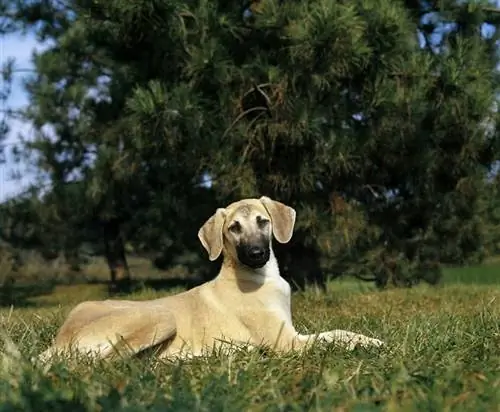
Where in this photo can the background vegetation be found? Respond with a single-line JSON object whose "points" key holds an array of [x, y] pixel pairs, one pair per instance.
{"points": [[375, 119]]}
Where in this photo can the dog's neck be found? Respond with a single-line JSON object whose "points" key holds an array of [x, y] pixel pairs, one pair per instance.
{"points": [[232, 269]]}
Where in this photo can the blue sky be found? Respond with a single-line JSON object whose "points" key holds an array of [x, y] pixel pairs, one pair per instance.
{"points": [[20, 48]]}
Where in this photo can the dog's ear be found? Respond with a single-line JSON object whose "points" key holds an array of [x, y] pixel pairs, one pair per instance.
{"points": [[282, 219], [210, 234]]}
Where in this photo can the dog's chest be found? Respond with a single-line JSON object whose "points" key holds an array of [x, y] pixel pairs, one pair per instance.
{"points": [[270, 304], [283, 287], [279, 299], [270, 299]]}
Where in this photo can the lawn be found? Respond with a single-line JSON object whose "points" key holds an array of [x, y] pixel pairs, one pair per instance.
{"points": [[443, 353]]}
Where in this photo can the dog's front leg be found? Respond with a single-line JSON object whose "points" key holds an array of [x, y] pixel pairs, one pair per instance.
{"points": [[348, 339]]}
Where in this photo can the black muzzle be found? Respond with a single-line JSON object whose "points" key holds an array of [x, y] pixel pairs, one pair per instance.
{"points": [[253, 256]]}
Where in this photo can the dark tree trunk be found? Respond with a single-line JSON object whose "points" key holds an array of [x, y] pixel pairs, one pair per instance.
{"points": [[300, 265], [114, 249], [72, 259]]}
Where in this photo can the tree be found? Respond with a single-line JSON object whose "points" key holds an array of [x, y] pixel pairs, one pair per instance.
{"points": [[490, 213], [88, 103], [372, 118], [340, 107]]}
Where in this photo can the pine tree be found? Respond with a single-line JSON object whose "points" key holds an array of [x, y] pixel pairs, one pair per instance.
{"points": [[107, 127], [339, 106], [372, 118]]}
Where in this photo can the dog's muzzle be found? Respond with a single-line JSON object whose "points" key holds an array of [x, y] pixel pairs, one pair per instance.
{"points": [[253, 256]]}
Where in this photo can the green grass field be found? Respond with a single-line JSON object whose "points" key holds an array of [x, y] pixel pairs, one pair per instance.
{"points": [[443, 354]]}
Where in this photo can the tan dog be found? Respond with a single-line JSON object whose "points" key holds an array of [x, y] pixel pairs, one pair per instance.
{"points": [[247, 303]]}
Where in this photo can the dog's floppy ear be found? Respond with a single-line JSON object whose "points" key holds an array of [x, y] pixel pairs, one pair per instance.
{"points": [[210, 234], [282, 219]]}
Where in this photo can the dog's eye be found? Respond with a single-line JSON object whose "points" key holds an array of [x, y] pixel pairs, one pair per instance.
{"points": [[261, 222], [235, 227]]}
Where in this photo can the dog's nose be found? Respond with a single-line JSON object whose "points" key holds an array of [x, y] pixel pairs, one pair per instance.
{"points": [[256, 253]]}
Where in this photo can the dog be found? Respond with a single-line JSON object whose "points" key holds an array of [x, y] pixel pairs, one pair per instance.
{"points": [[247, 303]]}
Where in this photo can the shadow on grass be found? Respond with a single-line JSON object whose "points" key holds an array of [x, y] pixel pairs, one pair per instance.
{"points": [[32, 294], [158, 285], [21, 295]]}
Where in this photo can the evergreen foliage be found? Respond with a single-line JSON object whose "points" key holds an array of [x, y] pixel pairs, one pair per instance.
{"points": [[375, 119]]}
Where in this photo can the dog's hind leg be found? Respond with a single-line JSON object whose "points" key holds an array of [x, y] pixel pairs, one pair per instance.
{"points": [[123, 330]]}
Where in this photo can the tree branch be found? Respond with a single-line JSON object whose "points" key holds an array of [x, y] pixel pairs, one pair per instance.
{"points": [[241, 115]]}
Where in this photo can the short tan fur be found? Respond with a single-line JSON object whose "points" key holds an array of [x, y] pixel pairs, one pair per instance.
{"points": [[247, 303]]}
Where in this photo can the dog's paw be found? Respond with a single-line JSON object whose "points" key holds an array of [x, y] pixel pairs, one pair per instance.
{"points": [[365, 342], [376, 342]]}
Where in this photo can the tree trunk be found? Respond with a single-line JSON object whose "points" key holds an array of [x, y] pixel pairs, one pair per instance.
{"points": [[300, 265], [114, 249]]}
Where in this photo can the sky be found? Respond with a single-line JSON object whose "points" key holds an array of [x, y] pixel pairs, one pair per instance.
{"points": [[20, 48]]}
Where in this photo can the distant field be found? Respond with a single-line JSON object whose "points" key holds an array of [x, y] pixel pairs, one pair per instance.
{"points": [[443, 354], [486, 274]]}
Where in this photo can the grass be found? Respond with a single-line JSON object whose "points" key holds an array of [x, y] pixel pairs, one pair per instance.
{"points": [[443, 354], [487, 273]]}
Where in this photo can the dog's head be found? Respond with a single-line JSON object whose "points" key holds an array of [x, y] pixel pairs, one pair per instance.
{"points": [[243, 230]]}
